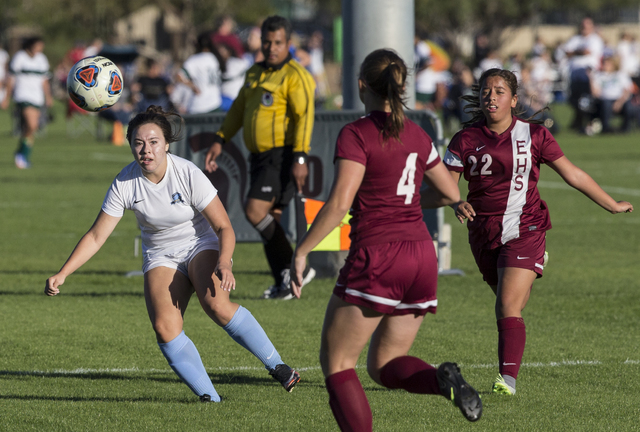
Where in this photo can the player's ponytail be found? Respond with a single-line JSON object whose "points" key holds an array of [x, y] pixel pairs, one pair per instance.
{"points": [[169, 122], [385, 74]]}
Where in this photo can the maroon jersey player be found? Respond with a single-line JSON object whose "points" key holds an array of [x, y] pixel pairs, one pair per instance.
{"points": [[500, 156], [388, 282]]}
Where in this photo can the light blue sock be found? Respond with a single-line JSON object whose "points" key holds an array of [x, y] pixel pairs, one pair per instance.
{"points": [[245, 330], [185, 361]]}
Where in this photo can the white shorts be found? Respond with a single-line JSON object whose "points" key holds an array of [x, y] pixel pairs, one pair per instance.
{"points": [[179, 260]]}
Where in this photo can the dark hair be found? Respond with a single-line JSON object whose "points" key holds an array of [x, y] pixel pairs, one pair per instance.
{"points": [[203, 42], [30, 42], [385, 74], [275, 23], [473, 100], [154, 114]]}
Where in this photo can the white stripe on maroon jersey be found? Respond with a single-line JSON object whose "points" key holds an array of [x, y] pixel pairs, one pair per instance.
{"points": [[372, 298], [521, 145], [388, 302], [423, 305], [433, 155]]}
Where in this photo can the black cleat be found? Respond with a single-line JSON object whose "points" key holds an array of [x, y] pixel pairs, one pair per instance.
{"points": [[455, 388], [205, 398], [285, 376]]}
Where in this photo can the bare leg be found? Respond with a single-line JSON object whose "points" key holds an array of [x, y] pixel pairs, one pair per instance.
{"points": [[167, 293], [339, 352]]}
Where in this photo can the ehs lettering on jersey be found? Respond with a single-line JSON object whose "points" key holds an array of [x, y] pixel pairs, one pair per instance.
{"points": [[521, 159], [521, 151]]}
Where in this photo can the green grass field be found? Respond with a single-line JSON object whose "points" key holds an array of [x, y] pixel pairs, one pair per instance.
{"points": [[87, 359]]}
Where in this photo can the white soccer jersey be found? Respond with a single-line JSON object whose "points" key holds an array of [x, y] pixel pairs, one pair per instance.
{"points": [[203, 70], [30, 74], [233, 78], [168, 213]]}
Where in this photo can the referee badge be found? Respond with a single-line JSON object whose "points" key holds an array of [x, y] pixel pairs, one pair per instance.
{"points": [[267, 99]]}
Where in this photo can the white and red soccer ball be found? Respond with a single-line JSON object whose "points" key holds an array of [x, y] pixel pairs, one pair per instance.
{"points": [[95, 83]]}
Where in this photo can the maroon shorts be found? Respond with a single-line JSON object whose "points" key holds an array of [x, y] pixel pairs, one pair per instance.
{"points": [[396, 278], [525, 252]]}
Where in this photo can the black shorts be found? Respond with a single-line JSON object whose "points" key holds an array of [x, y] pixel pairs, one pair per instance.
{"points": [[271, 176]]}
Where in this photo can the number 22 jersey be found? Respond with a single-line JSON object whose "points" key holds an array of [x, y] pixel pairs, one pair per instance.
{"points": [[386, 207], [503, 172]]}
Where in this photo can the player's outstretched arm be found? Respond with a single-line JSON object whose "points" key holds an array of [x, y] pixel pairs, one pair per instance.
{"points": [[580, 180], [443, 190], [348, 177], [218, 218], [89, 244]]}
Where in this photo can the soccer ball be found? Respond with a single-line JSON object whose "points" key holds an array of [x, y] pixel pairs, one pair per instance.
{"points": [[94, 83]]}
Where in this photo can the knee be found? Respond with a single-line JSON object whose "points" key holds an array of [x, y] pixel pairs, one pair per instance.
{"points": [[220, 311], [254, 215], [166, 330]]}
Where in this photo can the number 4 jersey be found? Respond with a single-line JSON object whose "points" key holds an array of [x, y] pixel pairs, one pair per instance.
{"points": [[387, 206], [503, 172]]}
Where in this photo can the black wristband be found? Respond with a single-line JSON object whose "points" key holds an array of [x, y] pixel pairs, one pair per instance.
{"points": [[218, 139]]}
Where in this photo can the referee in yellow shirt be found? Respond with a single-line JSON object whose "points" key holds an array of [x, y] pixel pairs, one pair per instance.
{"points": [[276, 108]]}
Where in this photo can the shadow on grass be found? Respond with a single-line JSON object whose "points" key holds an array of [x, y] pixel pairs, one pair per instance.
{"points": [[93, 399], [76, 294], [216, 379], [232, 377]]}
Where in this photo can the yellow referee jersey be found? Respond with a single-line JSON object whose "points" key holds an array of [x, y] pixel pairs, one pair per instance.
{"points": [[275, 107]]}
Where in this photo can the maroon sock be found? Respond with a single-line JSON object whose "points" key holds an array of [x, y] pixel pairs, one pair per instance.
{"points": [[348, 402], [512, 337], [410, 374]]}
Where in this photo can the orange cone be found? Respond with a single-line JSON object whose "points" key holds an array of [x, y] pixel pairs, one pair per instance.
{"points": [[117, 136]]}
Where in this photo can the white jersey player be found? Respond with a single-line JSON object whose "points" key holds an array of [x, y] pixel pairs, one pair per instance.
{"points": [[188, 242], [201, 72], [28, 83]]}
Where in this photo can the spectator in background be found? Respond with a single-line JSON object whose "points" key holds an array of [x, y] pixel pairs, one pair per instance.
{"points": [[153, 88], [30, 88], [628, 53], [535, 91], [491, 61], [431, 88], [4, 67], [253, 51], [538, 46], [298, 53], [462, 81], [481, 49], [584, 52], [612, 89], [93, 49], [225, 34], [421, 53], [233, 75], [316, 66], [201, 72]]}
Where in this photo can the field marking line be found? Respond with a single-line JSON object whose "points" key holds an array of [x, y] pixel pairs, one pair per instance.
{"points": [[608, 189], [88, 371]]}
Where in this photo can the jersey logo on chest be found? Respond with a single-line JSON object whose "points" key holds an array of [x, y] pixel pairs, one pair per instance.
{"points": [[177, 198]]}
